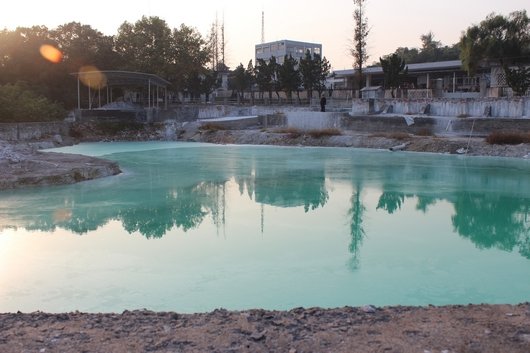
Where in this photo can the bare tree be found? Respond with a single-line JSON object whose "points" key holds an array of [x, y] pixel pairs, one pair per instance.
{"points": [[360, 35]]}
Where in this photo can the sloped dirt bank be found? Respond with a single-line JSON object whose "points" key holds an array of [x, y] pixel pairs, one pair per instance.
{"points": [[450, 329]]}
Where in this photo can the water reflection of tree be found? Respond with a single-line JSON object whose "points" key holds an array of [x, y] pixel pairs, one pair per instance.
{"points": [[183, 208], [491, 221], [391, 201], [292, 189], [424, 202], [356, 216]]}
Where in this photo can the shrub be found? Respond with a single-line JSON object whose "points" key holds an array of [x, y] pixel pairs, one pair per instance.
{"points": [[508, 138], [292, 131], [19, 104], [324, 133], [424, 132]]}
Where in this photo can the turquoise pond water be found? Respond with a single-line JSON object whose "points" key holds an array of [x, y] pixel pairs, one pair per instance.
{"points": [[192, 227]]}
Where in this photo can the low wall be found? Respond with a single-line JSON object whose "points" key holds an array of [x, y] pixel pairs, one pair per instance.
{"points": [[32, 131], [313, 120], [483, 107], [209, 111], [112, 114], [414, 125]]}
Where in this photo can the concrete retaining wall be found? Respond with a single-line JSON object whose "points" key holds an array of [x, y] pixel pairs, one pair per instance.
{"points": [[313, 120], [194, 112], [494, 107], [32, 131]]}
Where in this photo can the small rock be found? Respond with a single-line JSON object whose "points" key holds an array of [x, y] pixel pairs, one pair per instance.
{"points": [[525, 337], [369, 309], [58, 139], [258, 336]]}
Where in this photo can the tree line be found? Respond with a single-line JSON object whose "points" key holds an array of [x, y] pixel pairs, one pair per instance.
{"points": [[291, 76], [179, 55], [182, 56]]}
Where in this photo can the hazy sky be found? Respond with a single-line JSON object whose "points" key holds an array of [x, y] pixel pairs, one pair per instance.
{"points": [[393, 23]]}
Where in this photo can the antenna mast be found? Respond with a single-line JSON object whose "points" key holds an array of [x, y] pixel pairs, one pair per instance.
{"points": [[262, 27]]}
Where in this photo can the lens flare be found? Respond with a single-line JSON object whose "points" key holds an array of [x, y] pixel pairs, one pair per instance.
{"points": [[92, 77], [51, 53]]}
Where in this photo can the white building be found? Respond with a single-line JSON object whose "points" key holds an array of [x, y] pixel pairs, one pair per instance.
{"points": [[281, 48]]}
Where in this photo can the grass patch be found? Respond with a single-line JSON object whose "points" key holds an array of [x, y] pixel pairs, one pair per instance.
{"points": [[291, 131], [211, 127], [508, 138], [319, 133]]}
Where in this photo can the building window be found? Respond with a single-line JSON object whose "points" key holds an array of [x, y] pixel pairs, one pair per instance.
{"points": [[259, 50], [316, 51]]}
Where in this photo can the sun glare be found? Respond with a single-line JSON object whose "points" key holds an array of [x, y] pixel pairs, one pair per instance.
{"points": [[51, 53], [92, 77]]}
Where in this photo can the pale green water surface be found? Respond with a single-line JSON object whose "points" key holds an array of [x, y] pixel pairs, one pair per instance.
{"points": [[193, 227]]}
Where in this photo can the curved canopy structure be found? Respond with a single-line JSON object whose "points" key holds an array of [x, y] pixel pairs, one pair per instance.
{"points": [[96, 81]]}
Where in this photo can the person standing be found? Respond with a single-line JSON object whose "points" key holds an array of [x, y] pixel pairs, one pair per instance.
{"points": [[323, 103]]}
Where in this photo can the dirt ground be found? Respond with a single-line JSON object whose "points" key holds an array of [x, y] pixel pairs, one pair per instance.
{"points": [[465, 329], [451, 329]]}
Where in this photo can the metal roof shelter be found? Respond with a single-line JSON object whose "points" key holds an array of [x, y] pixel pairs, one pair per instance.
{"points": [[374, 75], [97, 80]]}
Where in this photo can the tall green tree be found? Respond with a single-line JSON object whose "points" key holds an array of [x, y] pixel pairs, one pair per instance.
{"points": [[361, 31], [265, 73], [189, 55], [289, 76], [83, 45], [393, 70], [323, 68], [314, 71], [505, 40], [146, 45], [21, 61], [251, 77], [240, 81], [263, 76]]}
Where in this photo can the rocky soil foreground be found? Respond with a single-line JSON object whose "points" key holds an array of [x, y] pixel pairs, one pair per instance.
{"points": [[451, 329], [465, 329]]}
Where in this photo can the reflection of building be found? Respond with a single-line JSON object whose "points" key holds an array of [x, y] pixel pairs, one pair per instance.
{"points": [[281, 48]]}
